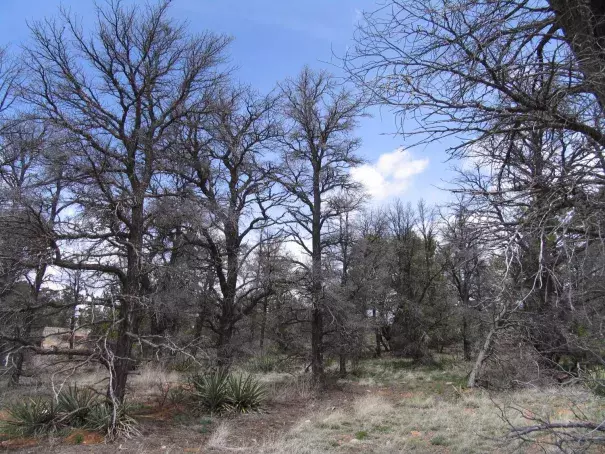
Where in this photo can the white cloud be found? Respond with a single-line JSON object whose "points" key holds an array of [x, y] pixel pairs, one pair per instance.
{"points": [[391, 175]]}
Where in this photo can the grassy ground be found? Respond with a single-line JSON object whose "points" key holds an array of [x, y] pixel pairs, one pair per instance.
{"points": [[384, 406]]}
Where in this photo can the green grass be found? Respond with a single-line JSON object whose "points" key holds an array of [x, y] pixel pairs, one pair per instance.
{"points": [[361, 435], [439, 440], [401, 407]]}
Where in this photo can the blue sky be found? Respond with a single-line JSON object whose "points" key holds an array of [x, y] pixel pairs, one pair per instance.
{"points": [[273, 39]]}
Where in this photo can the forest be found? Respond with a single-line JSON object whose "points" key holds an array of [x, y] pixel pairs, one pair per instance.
{"points": [[187, 263]]}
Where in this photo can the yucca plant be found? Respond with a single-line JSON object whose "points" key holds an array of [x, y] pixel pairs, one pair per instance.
{"points": [[33, 417], [211, 390], [100, 418], [75, 403], [245, 393]]}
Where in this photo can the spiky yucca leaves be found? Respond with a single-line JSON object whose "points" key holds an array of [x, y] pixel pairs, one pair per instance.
{"points": [[75, 404], [245, 393], [75, 407], [220, 391], [100, 418], [211, 390], [33, 417]]}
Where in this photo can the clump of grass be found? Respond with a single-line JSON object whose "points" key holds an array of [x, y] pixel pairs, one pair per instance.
{"points": [[75, 408], [210, 390], [31, 418], [361, 435], [220, 391], [263, 364], [75, 403], [439, 440], [177, 395], [595, 380], [104, 418], [245, 394]]}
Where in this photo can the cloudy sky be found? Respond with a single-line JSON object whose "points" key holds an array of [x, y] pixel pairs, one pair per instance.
{"points": [[273, 39]]}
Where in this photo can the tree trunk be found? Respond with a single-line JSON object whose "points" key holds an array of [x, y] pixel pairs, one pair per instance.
{"points": [[197, 331], [343, 365], [317, 365], [481, 357], [466, 342], [72, 331], [224, 351], [25, 333], [263, 325], [378, 349], [583, 24], [121, 363]]}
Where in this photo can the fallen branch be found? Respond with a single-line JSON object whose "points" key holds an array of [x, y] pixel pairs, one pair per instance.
{"points": [[518, 431]]}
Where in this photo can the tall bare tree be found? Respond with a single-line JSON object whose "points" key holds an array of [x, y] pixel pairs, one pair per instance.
{"points": [[318, 150], [223, 161], [117, 92]]}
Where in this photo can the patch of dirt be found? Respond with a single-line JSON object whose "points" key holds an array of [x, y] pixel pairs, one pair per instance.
{"points": [[172, 429], [84, 437]]}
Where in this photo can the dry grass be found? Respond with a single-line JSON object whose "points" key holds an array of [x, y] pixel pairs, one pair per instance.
{"points": [[290, 389], [151, 379], [470, 423], [218, 439], [424, 410], [388, 406]]}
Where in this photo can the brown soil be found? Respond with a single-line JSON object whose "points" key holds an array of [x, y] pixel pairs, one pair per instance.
{"points": [[173, 429]]}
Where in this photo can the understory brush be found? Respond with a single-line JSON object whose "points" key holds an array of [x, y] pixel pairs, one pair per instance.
{"points": [[221, 391], [73, 408]]}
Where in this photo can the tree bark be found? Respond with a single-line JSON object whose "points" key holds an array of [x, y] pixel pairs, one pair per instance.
{"points": [[466, 342], [481, 357], [317, 365]]}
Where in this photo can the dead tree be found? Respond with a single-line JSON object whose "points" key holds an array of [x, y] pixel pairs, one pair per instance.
{"points": [[222, 159], [317, 152], [117, 92]]}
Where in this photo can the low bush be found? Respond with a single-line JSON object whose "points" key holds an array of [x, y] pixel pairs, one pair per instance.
{"points": [[245, 394], [74, 408], [220, 391], [595, 380], [210, 390], [75, 403], [31, 418]]}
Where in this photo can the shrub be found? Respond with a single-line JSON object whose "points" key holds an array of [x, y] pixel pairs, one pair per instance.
{"points": [[264, 364], [595, 380], [32, 417], [100, 419], [177, 395], [439, 440], [245, 394], [211, 389], [75, 403], [75, 407], [361, 435], [219, 391]]}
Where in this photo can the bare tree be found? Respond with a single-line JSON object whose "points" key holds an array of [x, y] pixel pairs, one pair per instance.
{"points": [[117, 92], [318, 151], [10, 79], [465, 264], [222, 160]]}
